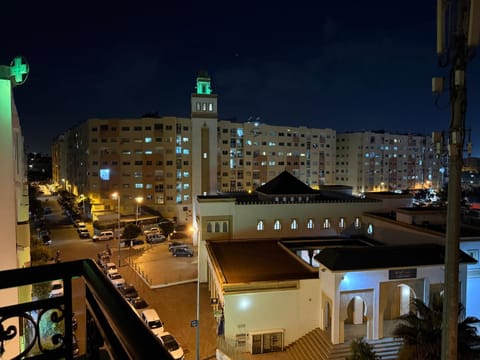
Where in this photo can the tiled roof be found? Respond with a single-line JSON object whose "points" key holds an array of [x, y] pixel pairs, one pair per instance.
{"points": [[383, 257], [285, 184]]}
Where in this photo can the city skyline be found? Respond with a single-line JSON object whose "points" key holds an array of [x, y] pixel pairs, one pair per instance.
{"points": [[349, 67]]}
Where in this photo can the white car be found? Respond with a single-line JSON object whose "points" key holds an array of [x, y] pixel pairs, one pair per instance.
{"points": [[171, 344], [152, 320], [116, 278], [57, 289]]}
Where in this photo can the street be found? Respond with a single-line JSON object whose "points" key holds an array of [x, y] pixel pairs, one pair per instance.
{"points": [[171, 289]]}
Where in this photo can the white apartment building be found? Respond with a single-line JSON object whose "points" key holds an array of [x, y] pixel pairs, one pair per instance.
{"points": [[169, 160], [381, 161], [252, 153]]}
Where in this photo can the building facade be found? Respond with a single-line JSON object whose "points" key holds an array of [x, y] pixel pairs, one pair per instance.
{"points": [[381, 161], [168, 160]]}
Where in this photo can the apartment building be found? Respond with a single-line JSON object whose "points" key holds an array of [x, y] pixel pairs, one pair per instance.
{"points": [[381, 161], [252, 153], [169, 160]]}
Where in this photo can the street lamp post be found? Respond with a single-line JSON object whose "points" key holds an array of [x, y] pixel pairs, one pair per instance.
{"points": [[138, 200], [117, 197]]}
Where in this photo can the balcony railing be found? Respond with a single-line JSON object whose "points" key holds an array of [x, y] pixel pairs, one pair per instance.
{"points": [[112, 325]]}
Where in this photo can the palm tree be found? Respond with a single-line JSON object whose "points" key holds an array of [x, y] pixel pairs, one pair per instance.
{"points": [[362, 350], [421, 332]]}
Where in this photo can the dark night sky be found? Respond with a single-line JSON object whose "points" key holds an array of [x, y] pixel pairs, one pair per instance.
{"points": [[346, 65]]}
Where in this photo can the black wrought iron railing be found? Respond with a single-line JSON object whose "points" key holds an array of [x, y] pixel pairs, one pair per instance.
{"points": [[113, 329]]}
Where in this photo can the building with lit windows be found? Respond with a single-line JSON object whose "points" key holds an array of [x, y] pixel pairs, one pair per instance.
{"points": [[169, 160], [252, 153], [286, 263], [381, 161]]}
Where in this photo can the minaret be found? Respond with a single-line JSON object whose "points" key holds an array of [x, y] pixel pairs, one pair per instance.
{"points": [[204, 116]]}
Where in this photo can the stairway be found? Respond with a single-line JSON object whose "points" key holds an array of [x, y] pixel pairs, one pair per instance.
{"points": [[316, 345]]}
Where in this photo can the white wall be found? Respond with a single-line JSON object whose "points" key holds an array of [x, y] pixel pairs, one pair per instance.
{"points": [[295, 311]]}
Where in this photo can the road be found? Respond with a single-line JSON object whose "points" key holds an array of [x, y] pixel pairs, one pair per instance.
{"points": [[176, 304]]}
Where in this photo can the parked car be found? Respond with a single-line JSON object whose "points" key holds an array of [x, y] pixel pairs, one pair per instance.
{"points": [[83, 233], [182, 251], [155, 238], [171, 344], [56, 289], [103, 258], [128, 291], [109, 267], [176, 244], [152, 230], [104, 236], [116, 279], [138, 302], [152, 320]]}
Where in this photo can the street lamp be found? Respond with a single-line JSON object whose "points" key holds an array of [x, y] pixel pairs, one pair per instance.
{"points": [[138, 200], [116, 196]]}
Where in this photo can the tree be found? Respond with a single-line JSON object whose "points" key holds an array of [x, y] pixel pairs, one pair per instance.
{"points": [[362, 350], [421, 332], [131, 231]]}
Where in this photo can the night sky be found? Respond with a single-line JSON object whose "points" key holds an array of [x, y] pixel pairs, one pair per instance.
{"points": [[346, 65]]}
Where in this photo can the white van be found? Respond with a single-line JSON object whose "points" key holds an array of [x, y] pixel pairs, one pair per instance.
{"points": [[152, 320], [104, 236]]}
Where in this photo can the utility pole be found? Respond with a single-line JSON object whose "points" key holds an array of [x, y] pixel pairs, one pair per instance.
{"points": [[457, 32]]}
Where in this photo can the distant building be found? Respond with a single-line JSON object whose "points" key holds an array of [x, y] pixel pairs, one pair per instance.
{"points": [[382, 161], [169, 160]]}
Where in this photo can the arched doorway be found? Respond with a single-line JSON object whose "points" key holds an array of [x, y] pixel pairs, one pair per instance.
{"points": [[356, 320]]}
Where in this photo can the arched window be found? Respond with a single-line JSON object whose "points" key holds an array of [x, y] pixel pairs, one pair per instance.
{"points": [[310, 224], [357, 224], [217, 227], [209, 227], [341, 223], [260, 225], [225, 227], [277, 225], [294, 224], [370, 229], [326, 223]]}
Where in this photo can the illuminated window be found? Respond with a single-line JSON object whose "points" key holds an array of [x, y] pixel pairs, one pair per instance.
{"points": [[326, 223], [294, 224], [310, 224], [138, 186], [357, 224], [260, 225], [277, 225], [370, 229], [205, 155], [105, 174], [210, 107], [186, 151], [148, 139], [341, 223]]}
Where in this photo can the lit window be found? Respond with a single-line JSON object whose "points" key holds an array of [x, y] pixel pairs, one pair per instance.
{"points": [[186, 186], [294, 224], [148, 139], [105, 174], [370, 229], [205, 155], [178, 150], [277, 225], [148, 186], [210, 107], [148, 152], [341, 223], [186, 151], [357, 224], [326, 223], [138, 186], [186, 197], [310, 224], [260, 226]]}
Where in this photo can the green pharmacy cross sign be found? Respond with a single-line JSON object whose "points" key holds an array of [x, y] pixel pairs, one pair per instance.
{"points": [[19, 70]]}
